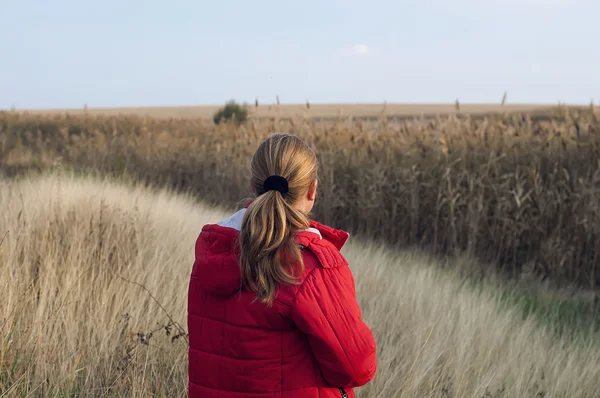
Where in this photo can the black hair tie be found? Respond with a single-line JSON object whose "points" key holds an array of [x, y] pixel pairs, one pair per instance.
{"points": [[276, 183]]}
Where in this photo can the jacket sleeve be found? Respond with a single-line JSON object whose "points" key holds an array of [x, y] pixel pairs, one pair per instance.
{"points": [[326, 311]]}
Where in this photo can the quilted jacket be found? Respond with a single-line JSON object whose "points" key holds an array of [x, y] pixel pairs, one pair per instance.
{"points": [[310, 343]]}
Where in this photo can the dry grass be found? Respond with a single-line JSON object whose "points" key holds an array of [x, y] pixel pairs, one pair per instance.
{"points": [[70, 325], [293, 110], [520, 194]]}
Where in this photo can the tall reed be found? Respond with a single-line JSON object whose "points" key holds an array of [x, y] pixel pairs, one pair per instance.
{"points": [[517, 191]]}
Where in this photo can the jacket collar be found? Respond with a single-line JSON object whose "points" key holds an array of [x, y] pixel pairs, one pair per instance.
{"points": [[337, 237], [218, 245]]}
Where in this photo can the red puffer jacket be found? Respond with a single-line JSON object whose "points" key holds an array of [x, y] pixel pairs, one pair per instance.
{"points": [[310, 343]]}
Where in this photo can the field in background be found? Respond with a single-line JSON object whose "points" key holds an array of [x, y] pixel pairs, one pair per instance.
{"points": [[326, 111], [521, 195], [75, 322]]}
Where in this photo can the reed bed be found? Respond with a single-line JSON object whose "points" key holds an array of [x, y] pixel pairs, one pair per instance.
{"points": [[520, 193]]}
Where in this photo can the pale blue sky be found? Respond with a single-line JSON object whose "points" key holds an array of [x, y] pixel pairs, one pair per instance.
{"points": [[64, 53]]}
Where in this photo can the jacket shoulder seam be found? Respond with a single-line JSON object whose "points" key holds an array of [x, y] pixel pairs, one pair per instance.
{"points": [[328, 256]]}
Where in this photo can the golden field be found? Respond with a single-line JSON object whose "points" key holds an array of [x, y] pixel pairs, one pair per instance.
{"points": [[518, 193], [75, 320]]}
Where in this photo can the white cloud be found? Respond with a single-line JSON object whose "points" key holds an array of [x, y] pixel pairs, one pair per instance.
{"points": [[355, 50]]}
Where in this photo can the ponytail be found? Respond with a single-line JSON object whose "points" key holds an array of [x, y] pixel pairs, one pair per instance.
{"points": [[269, 255]]}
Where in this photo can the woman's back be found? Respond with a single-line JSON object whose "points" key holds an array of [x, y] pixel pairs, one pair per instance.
{"points": [[301, 339]]}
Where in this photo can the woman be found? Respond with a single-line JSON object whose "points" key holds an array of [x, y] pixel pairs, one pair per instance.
{"points": [[272, 308]]}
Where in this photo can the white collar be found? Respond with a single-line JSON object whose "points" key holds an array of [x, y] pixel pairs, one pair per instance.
{"points": [[235, 222]]}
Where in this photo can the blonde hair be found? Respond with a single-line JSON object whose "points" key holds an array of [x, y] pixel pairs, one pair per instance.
{"points": [[269, 255]]}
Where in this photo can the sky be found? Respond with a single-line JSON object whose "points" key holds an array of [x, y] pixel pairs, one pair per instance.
{"points": [[114, 53]]}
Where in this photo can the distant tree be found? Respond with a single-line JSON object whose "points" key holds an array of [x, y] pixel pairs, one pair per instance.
{"points": [[232, 112], [256, 103]]}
